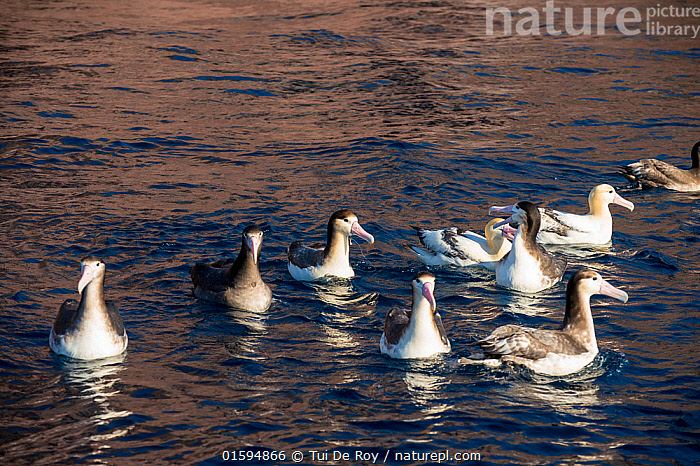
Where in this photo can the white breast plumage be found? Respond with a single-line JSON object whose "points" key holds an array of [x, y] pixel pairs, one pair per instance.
{"points": [[310, 263], [595, 227], [552, 352]]}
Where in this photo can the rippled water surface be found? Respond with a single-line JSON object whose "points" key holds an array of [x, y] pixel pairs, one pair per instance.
{"points": [[151, 133]]}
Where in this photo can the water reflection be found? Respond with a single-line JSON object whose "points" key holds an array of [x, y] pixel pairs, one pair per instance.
{"points": [[96, 382], [339, 338], [426, 389], [576, 400], [576, 394], [347, 306], [341, 293], [253, 321], [580, 252], [530, 305], [246, 344]]}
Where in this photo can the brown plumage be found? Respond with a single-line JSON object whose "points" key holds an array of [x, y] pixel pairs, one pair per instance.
{"points": [[654, 173], [235, 282], [332, 258], [554, 352]]}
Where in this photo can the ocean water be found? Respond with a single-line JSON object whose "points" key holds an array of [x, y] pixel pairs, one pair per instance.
{"points": [[152, 134]]}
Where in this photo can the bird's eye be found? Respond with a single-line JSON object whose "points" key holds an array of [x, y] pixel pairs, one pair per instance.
{"points": [[595, 278], [346, 220], [610, 192]]}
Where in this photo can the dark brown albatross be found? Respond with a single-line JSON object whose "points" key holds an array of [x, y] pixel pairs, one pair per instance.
{"points": [[235, 283]]}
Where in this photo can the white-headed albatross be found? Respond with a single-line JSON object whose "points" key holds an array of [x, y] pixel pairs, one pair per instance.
{"points": [[456, 247], [595, 227]]}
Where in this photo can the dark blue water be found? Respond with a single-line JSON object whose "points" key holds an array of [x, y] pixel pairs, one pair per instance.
{"points": [[151, 136]]}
